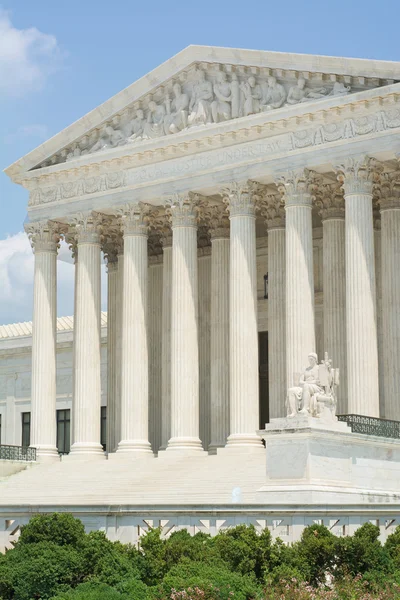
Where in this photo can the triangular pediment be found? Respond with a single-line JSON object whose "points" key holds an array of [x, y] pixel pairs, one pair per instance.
{"points": [[202, 86]]}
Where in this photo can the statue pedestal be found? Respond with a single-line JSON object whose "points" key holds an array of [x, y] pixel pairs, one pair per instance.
{"points": [[312, 461]]}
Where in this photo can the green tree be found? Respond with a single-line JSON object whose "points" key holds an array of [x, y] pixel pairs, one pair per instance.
{"points": [[181, 545], [243, 550], [39, 571], [316, 553], [362, 553], [152, 548], [61, 529]]}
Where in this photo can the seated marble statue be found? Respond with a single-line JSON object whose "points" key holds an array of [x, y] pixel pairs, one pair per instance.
{"points": [[306, 391], [315, 395], [274, 94]]}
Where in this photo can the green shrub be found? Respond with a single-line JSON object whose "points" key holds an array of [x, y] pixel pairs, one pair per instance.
{"points": [[224, 583], [93, 591]]}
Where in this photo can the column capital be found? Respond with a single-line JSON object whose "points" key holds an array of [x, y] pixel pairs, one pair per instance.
{"points": [[388, 191], [112, 246], [272, 210], [358, 174], [87, 227], [330, 201], [297, 187], [135, 218], [183, 209], [45, 236], [240, 198], [217, 220]]}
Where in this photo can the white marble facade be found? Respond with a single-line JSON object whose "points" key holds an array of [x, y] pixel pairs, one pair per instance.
{"points": [[218, 167]]}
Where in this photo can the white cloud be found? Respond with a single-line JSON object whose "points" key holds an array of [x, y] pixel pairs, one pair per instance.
{"points": [[27, 56], [16, 276]]}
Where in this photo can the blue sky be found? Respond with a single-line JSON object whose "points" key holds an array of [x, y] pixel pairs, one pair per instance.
{"points": [[58, 60]]}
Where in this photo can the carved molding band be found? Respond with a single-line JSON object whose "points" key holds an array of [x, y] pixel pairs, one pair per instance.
{"points": [[49, 188]]}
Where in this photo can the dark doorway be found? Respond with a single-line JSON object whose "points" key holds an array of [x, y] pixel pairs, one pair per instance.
{"points": [[263, 378], [63, 431]]}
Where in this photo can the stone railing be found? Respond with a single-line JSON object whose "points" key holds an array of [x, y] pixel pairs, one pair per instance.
{"points": [[20, 453], [372, 425]]}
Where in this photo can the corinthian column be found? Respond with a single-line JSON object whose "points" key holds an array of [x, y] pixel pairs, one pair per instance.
{"points": [[219, 360], [135, 367], [111, 249], [166, 342], [243, 357], [44, 239], [274, 214], [296, 188], [390, 260], [331, 204], [87, 382], [184, 327], [357, 176]]}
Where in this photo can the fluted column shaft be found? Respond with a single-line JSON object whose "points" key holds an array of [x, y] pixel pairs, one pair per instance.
{"points": [[334, 286], [112, 364], [135, 375], [87, 362], [220, 250], [43, 428], [166, 343], [300, 324], [118, 349], [276, 320], [362, 348], [331, 203], [184, 329], [379, 319], [243, 356], [390, 240]]}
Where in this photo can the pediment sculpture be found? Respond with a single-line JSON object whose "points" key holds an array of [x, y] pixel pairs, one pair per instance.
{"points": [[202, 99], [316, 393]]}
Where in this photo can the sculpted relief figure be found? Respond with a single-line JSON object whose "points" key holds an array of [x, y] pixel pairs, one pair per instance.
{"points": [[137, 126], [200, 102], [251, 92], [109, 138], [177, 111], [299, 93], [154, 126], [339, 89], [274, 94], [221, 107], [236, 96]]}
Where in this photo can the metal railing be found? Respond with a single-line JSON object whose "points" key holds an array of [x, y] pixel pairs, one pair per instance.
{"points": [[17, 453], [372, 425]]}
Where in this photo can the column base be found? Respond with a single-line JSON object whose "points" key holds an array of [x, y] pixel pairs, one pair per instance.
{"points": [[86, 451], [186, 445], [214, 447], [248, 440], [46, 453], [134, 447]]}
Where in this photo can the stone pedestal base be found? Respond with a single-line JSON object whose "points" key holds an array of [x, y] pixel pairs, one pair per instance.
{"points": [[309, 461]]}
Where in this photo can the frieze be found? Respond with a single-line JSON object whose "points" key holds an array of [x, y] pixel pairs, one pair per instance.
{"points": [[383, 120], [205, 96]]}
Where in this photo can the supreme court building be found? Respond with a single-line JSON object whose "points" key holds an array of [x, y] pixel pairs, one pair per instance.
{"points": [[247, 205]]}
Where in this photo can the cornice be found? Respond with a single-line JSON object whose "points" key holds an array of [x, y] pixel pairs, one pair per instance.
{"points": [[356, 119]]}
